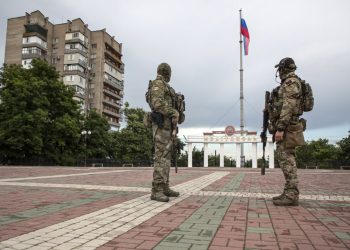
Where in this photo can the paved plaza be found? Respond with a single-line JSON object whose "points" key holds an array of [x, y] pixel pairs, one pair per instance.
{"points": [[219, 208]]}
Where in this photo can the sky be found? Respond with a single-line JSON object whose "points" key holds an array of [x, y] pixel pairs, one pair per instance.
{"points": [[200, 41]]}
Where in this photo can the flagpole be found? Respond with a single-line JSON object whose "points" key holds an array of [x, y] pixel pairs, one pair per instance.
{"points": [[241, 86]]}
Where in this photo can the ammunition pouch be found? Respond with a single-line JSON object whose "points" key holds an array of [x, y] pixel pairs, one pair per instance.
{"points": [[303, 122], [293, 136], [157, 118]]}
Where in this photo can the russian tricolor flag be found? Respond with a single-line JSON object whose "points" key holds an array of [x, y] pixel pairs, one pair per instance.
{"points": [[245, 33]]}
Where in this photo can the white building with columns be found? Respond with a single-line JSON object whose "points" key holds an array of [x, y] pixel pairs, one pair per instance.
{"points": [[230, 136]]}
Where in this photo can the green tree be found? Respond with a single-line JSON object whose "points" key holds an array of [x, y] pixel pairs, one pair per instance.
{"points": [[38, 116], [344, 150], [183, 159], [133, 143], [229, 162], [316, 153], [197, 157], [99, 142]]}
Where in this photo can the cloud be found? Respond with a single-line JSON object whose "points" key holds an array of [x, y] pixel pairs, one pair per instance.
{"points": [[199, 39]]}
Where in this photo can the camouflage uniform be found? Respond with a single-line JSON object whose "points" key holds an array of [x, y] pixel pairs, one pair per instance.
{"points": [[284, 116], [161, 101]]}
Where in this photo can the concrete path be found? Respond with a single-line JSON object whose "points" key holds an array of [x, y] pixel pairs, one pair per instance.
{"points": [[219, 208]]}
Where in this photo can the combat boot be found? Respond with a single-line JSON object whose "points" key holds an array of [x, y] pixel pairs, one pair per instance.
{"points": [[158, 193], [278, 197], [169, 192], [286, 201]]}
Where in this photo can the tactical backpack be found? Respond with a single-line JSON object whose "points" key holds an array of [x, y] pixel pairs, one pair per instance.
{"points": [[307, 102]]}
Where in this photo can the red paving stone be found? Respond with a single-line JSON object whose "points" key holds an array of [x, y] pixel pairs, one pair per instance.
{"points": [[148, 234], [309, 182], [11, 230], [32, 197], [219, 184], [248, 223], [128, 178], [21, 172]]}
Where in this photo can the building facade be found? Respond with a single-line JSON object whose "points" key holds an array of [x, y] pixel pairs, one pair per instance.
{"points": [[88, 61]]}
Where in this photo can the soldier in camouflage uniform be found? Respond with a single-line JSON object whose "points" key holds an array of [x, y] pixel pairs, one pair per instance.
{"points": [[287, 128], [161, 101]]}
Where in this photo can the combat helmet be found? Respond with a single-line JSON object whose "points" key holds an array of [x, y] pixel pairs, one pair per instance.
{"points": [[165, 71], [284, 67], [286, 64]]}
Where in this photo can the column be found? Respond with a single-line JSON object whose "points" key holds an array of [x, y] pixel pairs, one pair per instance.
{"points": [[222, 153], [206, 155], [271, 149], [254, 155], [238, 155], [189, 154]]}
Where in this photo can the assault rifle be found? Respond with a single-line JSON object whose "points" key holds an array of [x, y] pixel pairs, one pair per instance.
{"points": [[263, 135], [176, 150]]}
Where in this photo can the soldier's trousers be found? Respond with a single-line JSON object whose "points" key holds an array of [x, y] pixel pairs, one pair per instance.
{"points": [[162, 162], [286, 161]]}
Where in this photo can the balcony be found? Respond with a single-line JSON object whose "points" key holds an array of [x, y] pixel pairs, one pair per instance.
{"points": [[82, 63], [79, 95], [34, 44], [34, 41], [77, 40], [112, 93], [112, 63], [34, 55], [34, 28], [74, 72], [111, 113], [111, 103], [114, 124], [72, 51], [113, 84]]}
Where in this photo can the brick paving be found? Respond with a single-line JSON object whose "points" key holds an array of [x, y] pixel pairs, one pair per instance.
{"points": [[219, 208]]}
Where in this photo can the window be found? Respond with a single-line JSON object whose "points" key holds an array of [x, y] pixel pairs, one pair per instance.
{"points": [[80, 79], [72, 46], [93, 56], [54, 60], [75, 35], [55, 40], [70, 57], [94, 45], [71, 67], [31, 50]]}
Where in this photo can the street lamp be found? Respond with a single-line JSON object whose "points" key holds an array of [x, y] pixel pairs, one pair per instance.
{"points": [[85, 133]]}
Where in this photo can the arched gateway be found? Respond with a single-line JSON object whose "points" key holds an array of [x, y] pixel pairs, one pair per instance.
{"points": [[230, 136]]}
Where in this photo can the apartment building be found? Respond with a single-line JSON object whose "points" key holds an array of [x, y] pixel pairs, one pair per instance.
{"points": [[88, 61]]}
